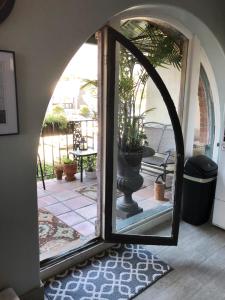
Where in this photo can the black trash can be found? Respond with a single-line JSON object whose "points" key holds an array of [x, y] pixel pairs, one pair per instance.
{"points": [[200, 174]]}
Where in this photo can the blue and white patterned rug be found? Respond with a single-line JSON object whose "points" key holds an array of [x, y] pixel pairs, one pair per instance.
{"points": [[120, 273]]}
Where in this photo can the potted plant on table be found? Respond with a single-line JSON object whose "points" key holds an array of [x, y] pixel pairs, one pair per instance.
{"points": [[90, 169], [70, 169]]}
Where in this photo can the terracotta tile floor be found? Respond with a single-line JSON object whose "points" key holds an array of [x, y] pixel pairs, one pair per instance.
{"points": [[78, 211]]}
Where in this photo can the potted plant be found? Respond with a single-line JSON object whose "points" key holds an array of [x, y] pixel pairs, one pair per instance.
{"points": [[90, 169], [159, 189], [70, 169], [132, 82], [58, 171], [130, 135]]}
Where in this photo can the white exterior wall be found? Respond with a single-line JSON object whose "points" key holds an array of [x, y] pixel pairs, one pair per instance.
{"points": [[171, 77]]}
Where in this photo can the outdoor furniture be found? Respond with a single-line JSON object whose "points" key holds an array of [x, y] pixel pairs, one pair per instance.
{"points": [[160, 137], [79, 155]]}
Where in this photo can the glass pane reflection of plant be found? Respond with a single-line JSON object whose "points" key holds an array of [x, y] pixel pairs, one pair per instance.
{"points": [[132, 110], [132, 81], [161, 50]]}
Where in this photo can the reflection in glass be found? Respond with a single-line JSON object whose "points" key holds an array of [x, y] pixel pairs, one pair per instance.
{"points": [[145, 147], [204, 119], [166, 50], [145, 151]]}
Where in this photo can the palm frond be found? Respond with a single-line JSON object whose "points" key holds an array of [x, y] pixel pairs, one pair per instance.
{"points": [[160, 48], [89, 83]]}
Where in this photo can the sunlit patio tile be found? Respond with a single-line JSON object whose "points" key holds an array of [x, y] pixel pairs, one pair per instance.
{"points": [[85, 228], [46, 200], [73, 185], [148, 204], [57, 209], [93, 220], [55, 188], [71, 218], [88, 212], [65, 195], [42, 193], [78, 202], [41, 203], [144, 193]]}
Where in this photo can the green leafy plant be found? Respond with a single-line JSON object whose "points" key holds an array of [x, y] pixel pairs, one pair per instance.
{"points": [[155, 42], [161, 50], [84, 111], [67, 161], [56, 120], [59, 110], [48, 171], [90, 86]]}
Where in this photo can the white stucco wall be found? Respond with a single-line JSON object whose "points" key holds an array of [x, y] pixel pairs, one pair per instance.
{"points": [[45, 35], [171, 77]]}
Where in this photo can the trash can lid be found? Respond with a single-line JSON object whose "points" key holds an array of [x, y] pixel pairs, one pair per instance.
{"points": [[200, 166]]}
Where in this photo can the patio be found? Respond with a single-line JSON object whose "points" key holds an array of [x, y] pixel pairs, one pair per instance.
{"points": [[63, 201], [78, 210]]}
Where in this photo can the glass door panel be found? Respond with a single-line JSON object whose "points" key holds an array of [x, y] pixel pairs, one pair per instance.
{"points": [[146, 151], [204, 133], [144, 156]]}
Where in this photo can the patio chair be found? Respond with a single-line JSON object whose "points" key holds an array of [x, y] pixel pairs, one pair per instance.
{"points": [[160, 138]]}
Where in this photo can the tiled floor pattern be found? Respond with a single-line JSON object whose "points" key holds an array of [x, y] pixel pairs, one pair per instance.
{"points": [[78, 211], [62, 200]]}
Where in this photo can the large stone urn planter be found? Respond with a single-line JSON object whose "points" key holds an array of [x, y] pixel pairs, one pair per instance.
{"points": [[129, 180]]}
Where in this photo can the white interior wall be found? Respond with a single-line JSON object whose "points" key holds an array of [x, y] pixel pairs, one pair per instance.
{"points": [[45, 35]]}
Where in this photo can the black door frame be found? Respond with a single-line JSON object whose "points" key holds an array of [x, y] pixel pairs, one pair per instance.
{"points": [[109, 37]]}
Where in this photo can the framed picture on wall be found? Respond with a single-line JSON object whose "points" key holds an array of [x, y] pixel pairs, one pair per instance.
{"points": [[8, 94]]}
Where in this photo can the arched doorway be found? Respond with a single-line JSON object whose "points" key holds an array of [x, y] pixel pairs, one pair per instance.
{"points": [[169, 53], [186, 123]]}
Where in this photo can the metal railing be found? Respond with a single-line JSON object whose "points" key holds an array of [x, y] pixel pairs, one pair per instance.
{"points": [[56, 144]]}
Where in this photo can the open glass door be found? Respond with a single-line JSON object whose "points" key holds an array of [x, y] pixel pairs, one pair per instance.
{"points": [[128, 144]]}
